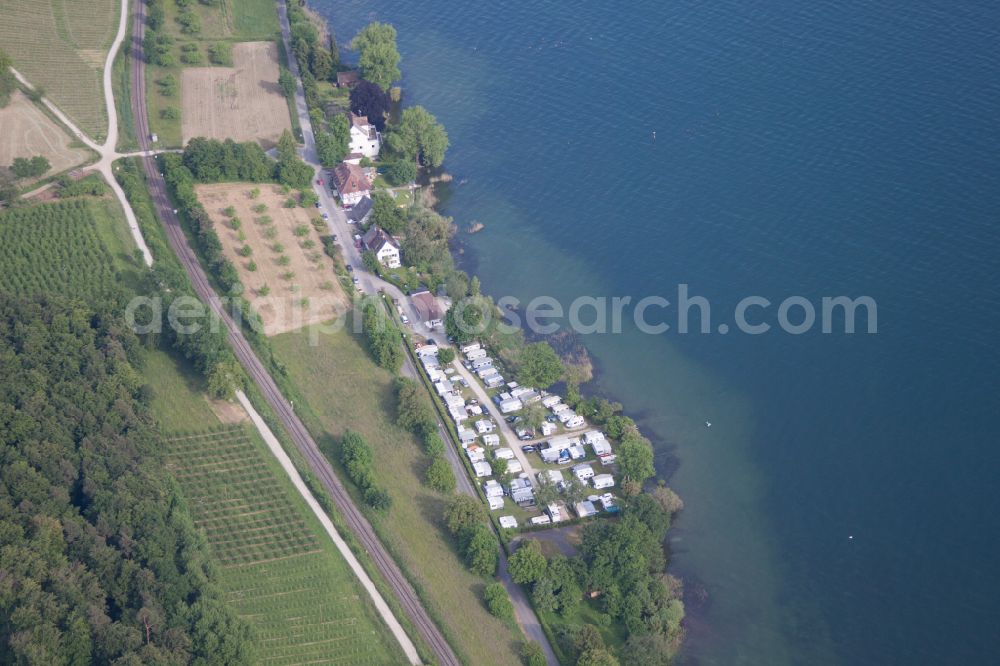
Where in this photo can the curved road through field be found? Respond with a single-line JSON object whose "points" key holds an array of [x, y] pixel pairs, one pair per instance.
{"points": [[319, 465], [107, 151]]}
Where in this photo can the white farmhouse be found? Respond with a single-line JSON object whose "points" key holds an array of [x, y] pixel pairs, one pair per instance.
{"points": [[365, 139], [351, 183], [384, 246]]}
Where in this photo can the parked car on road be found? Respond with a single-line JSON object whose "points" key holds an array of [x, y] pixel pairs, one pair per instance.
{"points": [[528, 448], [404, 319], [350, 268]]}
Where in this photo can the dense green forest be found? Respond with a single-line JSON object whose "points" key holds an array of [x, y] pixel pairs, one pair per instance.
{"points": [[99, 560]]}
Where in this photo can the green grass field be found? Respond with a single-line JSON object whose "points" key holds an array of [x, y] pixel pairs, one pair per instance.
{"points": [[341, 388], [61, 47]]}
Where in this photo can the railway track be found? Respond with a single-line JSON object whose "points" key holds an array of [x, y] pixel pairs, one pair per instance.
{"points": [[319, 465]]}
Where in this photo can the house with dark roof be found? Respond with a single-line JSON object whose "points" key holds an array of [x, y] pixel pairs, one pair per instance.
{"points": [[348, 79], [361, 211], [384, 246], [351, 183]]}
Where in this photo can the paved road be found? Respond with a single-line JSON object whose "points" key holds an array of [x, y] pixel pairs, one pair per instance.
{"points": [[319, 465]]}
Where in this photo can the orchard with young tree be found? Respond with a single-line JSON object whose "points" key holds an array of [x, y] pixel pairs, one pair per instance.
{"points": [[378, 55]]}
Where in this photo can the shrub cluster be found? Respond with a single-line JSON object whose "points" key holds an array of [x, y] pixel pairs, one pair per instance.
{"points": [[359, 460]]}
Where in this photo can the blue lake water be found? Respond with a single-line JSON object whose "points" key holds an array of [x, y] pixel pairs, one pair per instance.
{"points": [[802, 148]]}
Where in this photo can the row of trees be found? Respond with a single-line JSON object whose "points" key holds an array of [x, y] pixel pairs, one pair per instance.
{"points": [[8, 84], [466, 521], [100, 557], [30, 167], [381, 336], [359, 461], [414, 413]]}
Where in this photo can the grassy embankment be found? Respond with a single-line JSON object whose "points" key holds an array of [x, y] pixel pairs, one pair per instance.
{"points": [[338, 387]]}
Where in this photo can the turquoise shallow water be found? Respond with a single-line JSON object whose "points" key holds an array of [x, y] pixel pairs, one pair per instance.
{"points": [[801, 148]]}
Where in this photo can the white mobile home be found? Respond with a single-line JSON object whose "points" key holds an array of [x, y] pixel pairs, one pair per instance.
{"points": [[512, 405], [482, 363], [427, 350], [484, 426], [576, 452], [465, 436], [508, 522], [556, 511], [548, 428], [514, 467], [576, 421], [540, 520], [476, 354], [585, 509], [492, 488], [475, 453], [491, 440], [496, 503], [602, 481], [493, 381], [471, 347], [601, 447], [559, 408], [583, 472], [550, 401], [504, 453], [482, 469]]}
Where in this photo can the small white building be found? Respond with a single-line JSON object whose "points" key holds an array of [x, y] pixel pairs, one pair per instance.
{"points": [[608, 460], [559, 408], [476, 354], [475, 453], [482, 469], [443, 387], [583, 472], [491, 440], [475, 410], [458, 414], [601, 447], [576, 421], [556, 511], [496, 503], [492, 488], [512, 405], [607, 501], [514, 467], [488, 371], [548, 428], [540, 520], [521, 492], [602, 481], [484, 426], [518, 391], [365, 139], [465, 436], [551, 401], [508, 522], [427, 350], [471, 347], [555, 477], [480, 363], [504, 453], [566, 416], [576, 452], [493, 381], [585, 509]]}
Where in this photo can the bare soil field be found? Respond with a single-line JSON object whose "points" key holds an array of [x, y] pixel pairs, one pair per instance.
{"points": [[285, 260], [27, 132], [60, 46], [243, 102]]}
